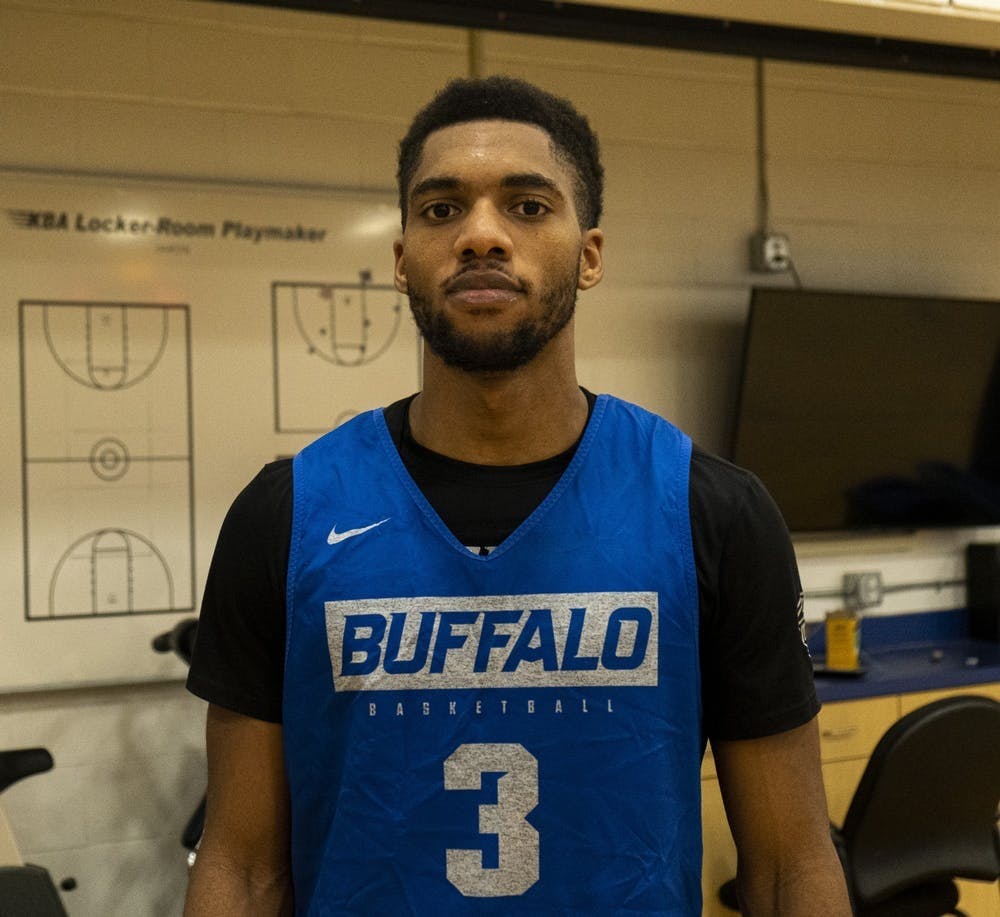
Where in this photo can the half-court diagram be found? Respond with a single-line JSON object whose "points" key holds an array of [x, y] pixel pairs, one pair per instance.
{"points": [[107, 459], [339, 349]]}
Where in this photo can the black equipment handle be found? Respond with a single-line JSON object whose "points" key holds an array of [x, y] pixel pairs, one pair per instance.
{"points": [[17, 763]]}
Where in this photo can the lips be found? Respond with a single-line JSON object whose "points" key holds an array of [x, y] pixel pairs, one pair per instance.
{"points": [[487, 286]]}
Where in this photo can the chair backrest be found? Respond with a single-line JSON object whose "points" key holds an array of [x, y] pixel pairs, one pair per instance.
{"points": [[926, 806]]}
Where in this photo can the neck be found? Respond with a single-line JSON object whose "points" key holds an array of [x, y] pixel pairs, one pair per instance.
{"points": [[511, 418]]}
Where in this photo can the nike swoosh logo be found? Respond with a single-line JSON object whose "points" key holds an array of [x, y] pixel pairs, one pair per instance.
{"points": [[336, 537]]}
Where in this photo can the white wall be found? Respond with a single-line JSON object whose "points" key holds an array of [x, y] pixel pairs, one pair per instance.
{"points": [[883, 181]]}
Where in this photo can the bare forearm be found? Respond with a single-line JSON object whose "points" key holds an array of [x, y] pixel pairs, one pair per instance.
{"points": [[216, 889], [805, 889], [776, 804], [244, 864]]}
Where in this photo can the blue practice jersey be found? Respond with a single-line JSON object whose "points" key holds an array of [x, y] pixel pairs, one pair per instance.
{"points": [[517, 733]]}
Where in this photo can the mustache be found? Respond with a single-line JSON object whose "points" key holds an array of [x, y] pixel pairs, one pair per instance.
{"points": [[491, 271]]}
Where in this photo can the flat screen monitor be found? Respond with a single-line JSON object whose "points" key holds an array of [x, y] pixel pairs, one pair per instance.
{"points": [[865, 412]]}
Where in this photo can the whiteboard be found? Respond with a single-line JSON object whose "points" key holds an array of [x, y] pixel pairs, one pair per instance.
{"points": [[161, 341]]}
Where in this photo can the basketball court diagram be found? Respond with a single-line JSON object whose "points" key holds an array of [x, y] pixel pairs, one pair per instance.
{"points": [[339, 349], [107, 459]]}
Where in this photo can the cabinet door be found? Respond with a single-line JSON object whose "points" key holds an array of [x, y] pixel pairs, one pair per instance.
{"points": [[851, 729], [841, 778], [910, 702], [979, 899]]}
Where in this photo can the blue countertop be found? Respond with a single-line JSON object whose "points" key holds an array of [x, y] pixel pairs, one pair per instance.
{"points": [[905, 653]]}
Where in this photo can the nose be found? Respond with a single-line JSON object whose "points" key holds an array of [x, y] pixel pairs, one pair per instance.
{"points": [[483, 234]]}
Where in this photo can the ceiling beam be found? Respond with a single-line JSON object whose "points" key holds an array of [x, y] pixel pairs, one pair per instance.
{"points": [[591, 22]]}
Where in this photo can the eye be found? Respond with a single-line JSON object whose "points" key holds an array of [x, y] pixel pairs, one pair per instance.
{"points": [[531, 208], [439, 210]]}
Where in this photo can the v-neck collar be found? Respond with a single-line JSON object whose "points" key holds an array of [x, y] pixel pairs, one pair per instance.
{"points": [[582, 449]]}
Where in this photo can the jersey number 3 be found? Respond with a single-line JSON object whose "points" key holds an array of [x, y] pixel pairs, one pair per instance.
{"points": [[517, 795]]}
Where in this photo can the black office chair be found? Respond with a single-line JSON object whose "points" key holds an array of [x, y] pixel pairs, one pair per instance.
{"points": [[924, 813], [26, 889]]}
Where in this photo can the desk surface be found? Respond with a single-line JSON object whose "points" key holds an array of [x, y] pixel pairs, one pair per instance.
{"points": [[923, 666]]}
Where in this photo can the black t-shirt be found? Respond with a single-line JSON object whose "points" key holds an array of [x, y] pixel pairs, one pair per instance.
{"points": [[755, 669]]}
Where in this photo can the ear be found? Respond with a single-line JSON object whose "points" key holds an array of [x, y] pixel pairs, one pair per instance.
{"points": [[399, 269], [591, 259]]}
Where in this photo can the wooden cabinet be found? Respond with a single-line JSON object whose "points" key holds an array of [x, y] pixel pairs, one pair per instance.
{"points": [[910, 702], [849, 731], [719, 858]]}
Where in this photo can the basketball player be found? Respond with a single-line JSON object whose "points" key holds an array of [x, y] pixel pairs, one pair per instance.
{"points": [[462, 654]]}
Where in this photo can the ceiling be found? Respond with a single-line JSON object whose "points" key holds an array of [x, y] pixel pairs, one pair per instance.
{"points": [[920, 36]]}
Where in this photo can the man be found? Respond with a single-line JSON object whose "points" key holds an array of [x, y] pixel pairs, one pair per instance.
{"points": [[463, 653]]}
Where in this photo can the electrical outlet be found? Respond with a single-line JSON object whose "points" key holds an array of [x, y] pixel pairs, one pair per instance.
{"points": [[863, 590], [770, 252]]}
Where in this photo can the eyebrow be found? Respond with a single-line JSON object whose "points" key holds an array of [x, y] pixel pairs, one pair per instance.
{"points": [[528, 180], [531, 180]]}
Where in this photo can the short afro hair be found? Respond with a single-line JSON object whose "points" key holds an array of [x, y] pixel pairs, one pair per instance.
{"points": [[510, 99]]}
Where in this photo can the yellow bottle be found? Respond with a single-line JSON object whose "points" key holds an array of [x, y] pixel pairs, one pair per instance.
{"points": [[843, 640]]}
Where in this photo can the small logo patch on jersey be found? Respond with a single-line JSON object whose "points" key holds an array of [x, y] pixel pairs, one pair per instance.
{"points": [[336, 537], [494, 641]]}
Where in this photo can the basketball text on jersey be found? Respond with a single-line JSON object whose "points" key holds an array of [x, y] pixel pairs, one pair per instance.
{"points": [[496, 641]]}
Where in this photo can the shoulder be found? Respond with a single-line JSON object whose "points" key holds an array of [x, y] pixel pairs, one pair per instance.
{"points": [[360, 430], [259, 521], [756, 672], [267, 494], [635, 412], [632, 426], [739, 536], [724, 497], [714, 475], [239, 653]]}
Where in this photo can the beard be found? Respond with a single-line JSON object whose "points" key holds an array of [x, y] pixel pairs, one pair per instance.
{"points": [[501, 351]]}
